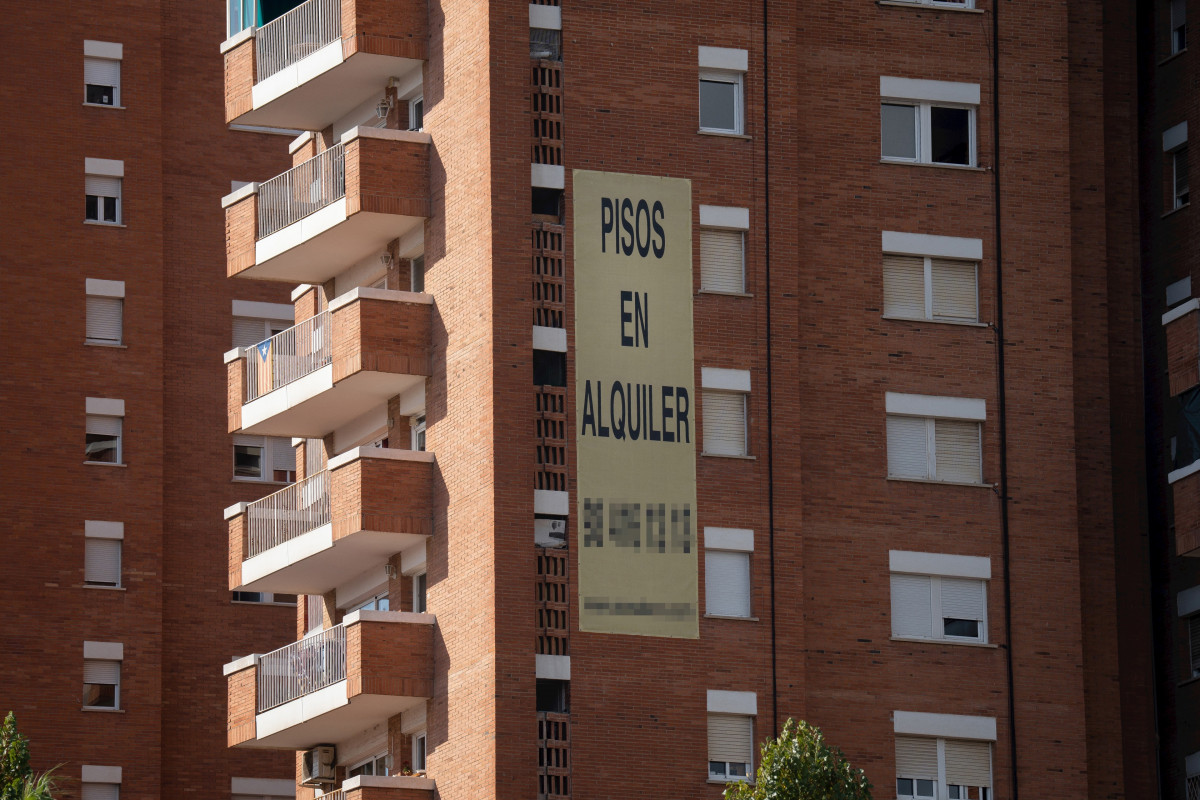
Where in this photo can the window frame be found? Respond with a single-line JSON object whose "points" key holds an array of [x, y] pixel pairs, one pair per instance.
{"points": [[1176, 29], [119, 457], [120, 340], [937, 612], [726, 777], [267, 467], [120, 545], [745, 397], [745, 554], [118, 204], [420, 590], [116, 706], [941, 787], [420, 746], [736, 78], [1180, 199], [923, 120], [718, 229], [927, 281], [373, 762], [266, 599], [930, 475], [116, 88]]}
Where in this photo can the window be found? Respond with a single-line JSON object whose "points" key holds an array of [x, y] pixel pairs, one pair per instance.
{"points": [[1179, 176], [314, 612], [928, 122], [722, 261], [375, 765], [934, 449], [722, 70], [549, 368], [1193, 624], [730, 747], [263, 458], [101, 562], [103, 439], [724, 423], [249, 331], [273, 598], [930, 768], [101, 683], [378, 602], [553, 695], [545, 44], [418, 274], [418, 751], [105, 311], [939, 607], [727, 583], [416, 114], [100, 783], [419, 589], [417, 427], [922, 287], [948, 3], [1178, 26], [102, 73], [103, 199]]}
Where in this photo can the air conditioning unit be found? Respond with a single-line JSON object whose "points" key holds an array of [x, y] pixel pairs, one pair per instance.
{"points": [[550, 532], [318, 766]]}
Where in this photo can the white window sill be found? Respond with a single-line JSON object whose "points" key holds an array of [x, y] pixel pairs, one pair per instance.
{"points": [[105, 588], [931, 164], [113, 345], [719, 293], [104, 224], [257, 603], [956, 642], [103, 710], [726, 616], [104, 464], [729, 455], [261, 482], [104, 105], [1174, 211], [930, 6], [724, 134], [940, 483], [961, 324], [1171, 57]]}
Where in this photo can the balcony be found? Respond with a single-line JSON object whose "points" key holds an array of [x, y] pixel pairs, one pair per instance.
{"points": [[315, 377], [314, 535], [317, 62], [332, 685], [391, 787], [1182, 325], [343, 205]]}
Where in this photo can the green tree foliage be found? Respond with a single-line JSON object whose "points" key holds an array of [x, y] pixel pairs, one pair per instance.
{"points": [[14, 760], [39, 787], [799, 765]]}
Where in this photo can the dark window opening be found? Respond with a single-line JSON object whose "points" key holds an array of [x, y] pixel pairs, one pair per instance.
{"points": [[950, 135], [553, 696], [547, 203], [545, 44], [100, 95], [966, 628], [549, 368]]}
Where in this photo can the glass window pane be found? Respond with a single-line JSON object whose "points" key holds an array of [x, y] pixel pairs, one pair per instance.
{"points": [[718, 105], [904, 787], [738, 770], [924, 788], [899, 131], [967, 628], [93, 207], [101, 447], [110, 209], [716, 767], [101, 95], [950, 135], [100, 695], [247, 461]]}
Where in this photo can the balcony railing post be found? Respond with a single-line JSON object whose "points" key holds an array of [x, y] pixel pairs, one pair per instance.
{"points": [[296, 35], [288, 513], [301, 668], [288, 356], [304, 189]]}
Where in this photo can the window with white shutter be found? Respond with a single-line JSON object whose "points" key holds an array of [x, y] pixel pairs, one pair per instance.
{"points": [[727, 583], [939, 607], [103, 198], [938, 289], [99, 791], [730, 747], [724, 423], [103, 439], [314, 612], [102, 562], [102, 81], [1194, 643], [722, 260], [263, 458], [954, 769], [101, 683], [104, 319], [925, 448], [283, 459]]}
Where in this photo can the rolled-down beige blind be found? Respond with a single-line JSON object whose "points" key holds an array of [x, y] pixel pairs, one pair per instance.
{"points": [[99, 791], [916, 758], [904, 286], [283, 455], [100, 671], [956, 448], [102, 186], [730, 738], [968, 763], [101, 71], [724, 423], [963, 598], [907, 447], [102, 562], [104, 319], [955, 292], [912, 600], [722, 260], [104, 426]]}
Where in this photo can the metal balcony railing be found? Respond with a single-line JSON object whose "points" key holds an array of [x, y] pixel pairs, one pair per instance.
{"points": [[302, 190], [301, 668], [296, 35], [288, 513], [288, 356]]}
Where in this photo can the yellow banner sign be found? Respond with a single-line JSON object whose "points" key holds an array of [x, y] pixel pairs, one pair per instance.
{"points": [[635, 405]]}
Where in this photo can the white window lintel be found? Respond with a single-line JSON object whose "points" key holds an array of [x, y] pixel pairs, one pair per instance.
{"points": [[545, 17], [728, 380], [966, 94], [104, 406], [95, 529], [550, 502], [739, 539], [924, 405], [948, 726], [257, 310], [111, 50], [1187, 602], [730, 58], [104, 166], [724, 702], [725, 217], [1175, 137], [105, 651], [553, 667], [921, 244], [546, 176], [940, 564], [552, 339], [99, 288], [95, 774]]}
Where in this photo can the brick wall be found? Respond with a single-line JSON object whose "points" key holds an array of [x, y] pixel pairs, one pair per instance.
{"points": [[241, 226], [377, 494], [390, 658], [239, 80], [385, 28], [381, 336], [1183, 352], [242, 705], [386, 176]]}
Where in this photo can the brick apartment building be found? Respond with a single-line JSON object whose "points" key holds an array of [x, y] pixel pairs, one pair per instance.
{"points": [[654, 373]]}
